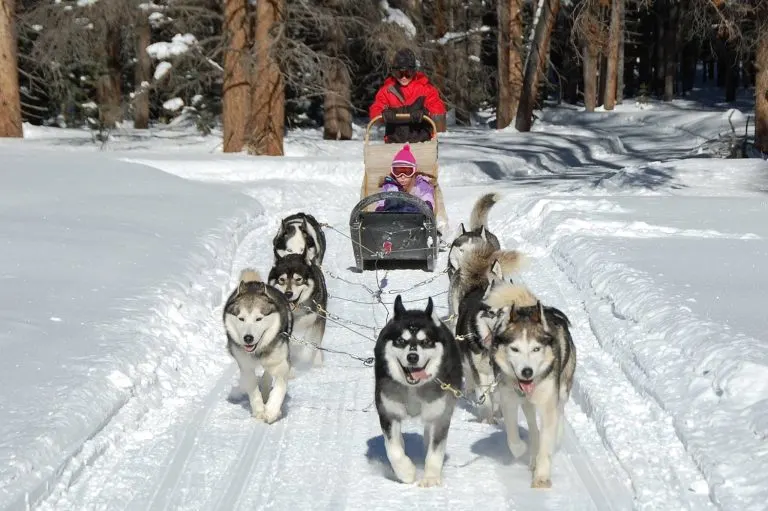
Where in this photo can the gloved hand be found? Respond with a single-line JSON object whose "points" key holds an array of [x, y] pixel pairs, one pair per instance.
{"points": [[417, 114], [388, 115]]}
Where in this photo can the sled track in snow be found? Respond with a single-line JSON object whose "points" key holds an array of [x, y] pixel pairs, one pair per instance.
{"points": [[206, 452]]}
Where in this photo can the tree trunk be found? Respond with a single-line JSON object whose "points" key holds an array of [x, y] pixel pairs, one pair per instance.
{"points": [[108, 92], [510, 60], [10, 101], [761, 94], [441, 28], [143, 74], [536, 63], [337, 123], [671, 50], [614, 45], [267, 116], [236, 88], [621, 65], [590, 55]]}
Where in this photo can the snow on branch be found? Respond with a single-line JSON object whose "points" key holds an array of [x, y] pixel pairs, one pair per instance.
{"points": [[179, 45], [399, 18]]}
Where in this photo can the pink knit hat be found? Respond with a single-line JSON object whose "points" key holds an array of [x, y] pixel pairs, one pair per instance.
{"points": [[404, 158]]}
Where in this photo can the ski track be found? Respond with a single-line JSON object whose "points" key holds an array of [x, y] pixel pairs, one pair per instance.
{"points": [[199, 448]]}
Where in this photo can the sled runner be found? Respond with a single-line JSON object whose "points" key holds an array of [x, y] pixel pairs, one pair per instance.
{"points": [[400, 239]]}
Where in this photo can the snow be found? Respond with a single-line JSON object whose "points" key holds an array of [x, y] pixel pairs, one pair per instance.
{"points": [[162, 69], [117, 257], [179, 45], [398, 17], [173, 104]]}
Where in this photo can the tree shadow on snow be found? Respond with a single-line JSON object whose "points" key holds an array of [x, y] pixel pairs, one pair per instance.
{"points": [[414, 449]]}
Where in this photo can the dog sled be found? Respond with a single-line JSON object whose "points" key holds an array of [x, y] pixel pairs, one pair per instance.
{"points": [[392, 239]]}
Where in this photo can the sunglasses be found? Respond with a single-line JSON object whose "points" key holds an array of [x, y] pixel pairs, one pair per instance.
{"points": [[403, 73], [403, 171]]}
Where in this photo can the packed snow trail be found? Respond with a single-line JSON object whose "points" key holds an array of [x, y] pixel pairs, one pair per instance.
{"points": [[202, 450]]}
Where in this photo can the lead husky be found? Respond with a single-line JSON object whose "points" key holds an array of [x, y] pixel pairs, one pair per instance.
{"points": [[300, 233], [534, 358], [478, 231], [258, 323], [415, 353], [303, 285]]}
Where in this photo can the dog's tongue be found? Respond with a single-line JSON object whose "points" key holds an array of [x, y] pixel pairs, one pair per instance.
{"points": [[249, 348], [419, 374], [527, 387]]}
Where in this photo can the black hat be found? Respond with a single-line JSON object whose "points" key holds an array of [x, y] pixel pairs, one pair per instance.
{"points": [[404, 59]]}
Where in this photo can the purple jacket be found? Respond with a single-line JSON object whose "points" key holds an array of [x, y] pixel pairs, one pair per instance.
{"points": [[422, 189]]}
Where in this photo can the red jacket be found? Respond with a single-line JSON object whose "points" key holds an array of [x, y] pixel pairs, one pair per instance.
{"points": [[394, 97]]}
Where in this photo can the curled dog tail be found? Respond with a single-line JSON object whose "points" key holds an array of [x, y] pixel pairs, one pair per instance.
{"points": [[250, 275], [479, 215], [505, 294], [477, 263], [511, 261]]}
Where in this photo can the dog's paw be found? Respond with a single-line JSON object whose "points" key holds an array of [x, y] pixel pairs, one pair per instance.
{"points": [[259, 415], [270, 416], [517, 448], [405, 471], [429, 482], [541, 482]]}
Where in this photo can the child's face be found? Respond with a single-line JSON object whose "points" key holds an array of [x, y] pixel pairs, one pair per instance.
{"points": [[404, 175], [404, 180]]}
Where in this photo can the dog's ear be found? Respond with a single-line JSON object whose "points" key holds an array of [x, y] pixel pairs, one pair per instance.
{"points": [[461, 228], [242, 287], [495, 274], [483, 233], [399, 309], [513, 315], [430, 306], [539, 316]]}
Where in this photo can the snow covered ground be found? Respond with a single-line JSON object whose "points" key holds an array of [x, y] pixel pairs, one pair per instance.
{"points": [[117, 392]]}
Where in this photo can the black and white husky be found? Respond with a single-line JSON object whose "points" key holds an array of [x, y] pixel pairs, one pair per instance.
{"points": [[415, 353], [258, 323], [300, 233], [303, 285]]}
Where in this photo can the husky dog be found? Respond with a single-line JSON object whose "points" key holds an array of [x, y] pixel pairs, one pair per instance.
{"points": [[474, 270], [478, 231], [474, 330], [258, 323], [303, 285], [300, 233], [416, 353], [534, 357]]}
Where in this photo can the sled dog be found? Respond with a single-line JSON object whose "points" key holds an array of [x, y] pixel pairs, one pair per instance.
{"points": [[303, 285], [298, 233], [534, 358], [478, 231], [258, 322], [474, 270], [414, 353]]}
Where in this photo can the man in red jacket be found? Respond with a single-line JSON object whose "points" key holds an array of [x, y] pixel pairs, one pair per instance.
{"points": [[407, 91]]}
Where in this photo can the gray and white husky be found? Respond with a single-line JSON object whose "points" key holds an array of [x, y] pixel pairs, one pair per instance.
{"points": [[303, 285], [258, 323], [474, 270], [298, 234], [478, 231], [415, 353], [534, 358]]}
